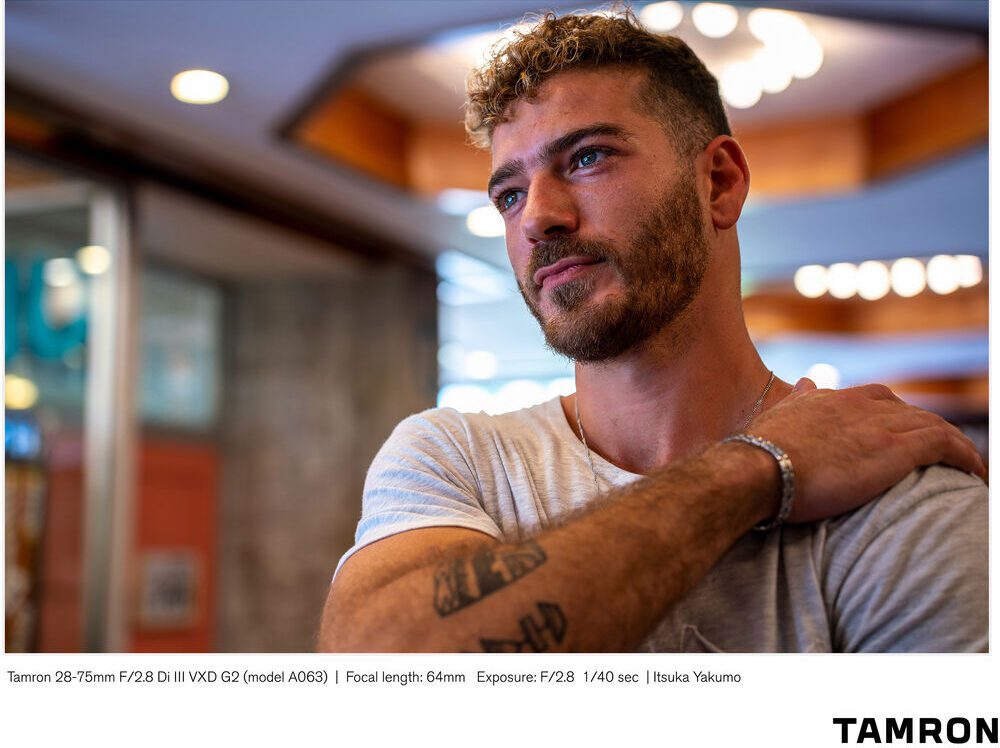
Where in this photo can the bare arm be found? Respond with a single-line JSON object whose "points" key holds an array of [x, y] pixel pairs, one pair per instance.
{"points": [[597, 583], [603, 580]]}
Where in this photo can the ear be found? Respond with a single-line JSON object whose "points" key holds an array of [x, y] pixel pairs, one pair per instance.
{"points": [[730, 180]]}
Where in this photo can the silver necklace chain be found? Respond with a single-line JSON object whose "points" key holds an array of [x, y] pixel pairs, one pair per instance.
{"points": [[590, 458], [760, 400], [583, 438]]}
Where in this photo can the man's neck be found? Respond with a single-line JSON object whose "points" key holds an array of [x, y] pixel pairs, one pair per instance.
{"points": [[671, 397]]}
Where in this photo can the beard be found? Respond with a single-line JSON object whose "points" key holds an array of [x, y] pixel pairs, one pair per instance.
{"points": [[661, 269]]}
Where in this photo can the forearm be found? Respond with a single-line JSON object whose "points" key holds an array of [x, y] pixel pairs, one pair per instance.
{"points": [[600, 582]]}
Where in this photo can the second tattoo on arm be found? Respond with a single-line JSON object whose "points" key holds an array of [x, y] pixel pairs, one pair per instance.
{"points": [[539, 633]]}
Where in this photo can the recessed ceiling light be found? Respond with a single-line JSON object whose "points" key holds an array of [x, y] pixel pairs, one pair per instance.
{"points": [[806, 55], [715, 20], [873, 280], [662, 17], [970, 270], [770, 25], [740, 86], [773, 70], [943, 274], [810, 281], [199, 87], [908, 277], [843, 279]]}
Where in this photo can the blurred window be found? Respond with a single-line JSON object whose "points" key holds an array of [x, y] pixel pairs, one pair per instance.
{"points": [[493, 356], [180, 350]]}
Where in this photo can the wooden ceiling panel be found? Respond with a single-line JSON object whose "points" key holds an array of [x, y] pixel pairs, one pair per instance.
{"points": [[440, 158], [946, 114], [357, 130], [806, 158]]}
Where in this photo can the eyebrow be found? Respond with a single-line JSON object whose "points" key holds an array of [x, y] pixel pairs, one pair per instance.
{"points": [[515, 167]]}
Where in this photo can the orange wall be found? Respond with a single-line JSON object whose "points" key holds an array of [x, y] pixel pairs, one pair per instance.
{"points": [[60, 619], [178, 493]]}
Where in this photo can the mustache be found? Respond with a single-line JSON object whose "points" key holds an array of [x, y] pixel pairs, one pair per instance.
{"points": [[552, 250]]}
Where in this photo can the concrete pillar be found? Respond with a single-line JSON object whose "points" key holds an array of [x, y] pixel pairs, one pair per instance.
{"points": [[318, 373]]}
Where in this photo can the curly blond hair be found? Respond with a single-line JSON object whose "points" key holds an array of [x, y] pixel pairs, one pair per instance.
{"points": [[679, 90]]}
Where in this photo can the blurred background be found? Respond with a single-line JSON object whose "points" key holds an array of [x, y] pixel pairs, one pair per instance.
{"points": [[223, 289]]}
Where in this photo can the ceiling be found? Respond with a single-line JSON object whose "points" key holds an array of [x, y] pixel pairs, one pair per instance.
{"points": [[112, 60], [427, 82]]}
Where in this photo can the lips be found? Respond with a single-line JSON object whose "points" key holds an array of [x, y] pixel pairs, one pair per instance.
{"points": [[561, 267]]}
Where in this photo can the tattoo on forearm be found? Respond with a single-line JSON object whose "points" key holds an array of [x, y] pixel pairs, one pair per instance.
{"points": [[540, 634], [462, 582]]}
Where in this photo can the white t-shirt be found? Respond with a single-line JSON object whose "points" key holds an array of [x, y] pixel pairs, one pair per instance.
{"points": [[906, 572]]}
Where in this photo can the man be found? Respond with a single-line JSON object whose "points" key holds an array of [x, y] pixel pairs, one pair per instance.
{"points": [[619, 518]]}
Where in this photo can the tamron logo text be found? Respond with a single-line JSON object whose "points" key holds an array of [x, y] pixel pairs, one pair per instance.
{"points": [[921, 730]]}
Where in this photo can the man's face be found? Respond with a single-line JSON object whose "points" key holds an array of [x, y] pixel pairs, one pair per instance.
{"points": [[604, 227]]}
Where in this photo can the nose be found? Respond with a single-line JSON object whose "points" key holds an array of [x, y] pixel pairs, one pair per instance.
{"points": [[549, 210]]}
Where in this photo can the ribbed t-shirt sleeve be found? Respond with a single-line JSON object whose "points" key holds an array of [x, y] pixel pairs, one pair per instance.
{"points": [[909, 573], [422, 477]]}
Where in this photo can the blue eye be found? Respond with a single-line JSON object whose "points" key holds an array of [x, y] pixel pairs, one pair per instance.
{"points": [[506, 200], [588, 157]]}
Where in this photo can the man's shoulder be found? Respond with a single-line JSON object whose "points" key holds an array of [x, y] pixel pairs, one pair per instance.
{"points": [[908, 571], [460, 428], [935, 503], [935, 480], [940, 487]]}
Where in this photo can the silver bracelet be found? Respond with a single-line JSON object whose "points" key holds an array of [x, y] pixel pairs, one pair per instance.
{"points": [[787, 476]]}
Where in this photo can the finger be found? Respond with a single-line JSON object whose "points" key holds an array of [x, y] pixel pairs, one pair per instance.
{"points": [[908, 418], [935, 444], [973, 461], [805, 384], [878, 392], [962, 442], [916, 418]]}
